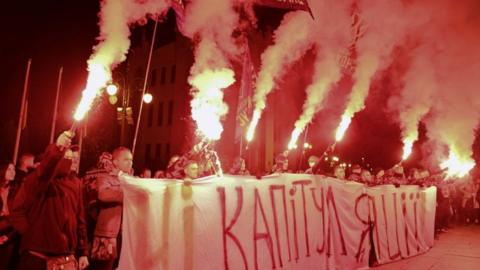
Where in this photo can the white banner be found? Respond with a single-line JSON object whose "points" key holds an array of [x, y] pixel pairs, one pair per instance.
{"points": [[282, 221], [403, 221]]}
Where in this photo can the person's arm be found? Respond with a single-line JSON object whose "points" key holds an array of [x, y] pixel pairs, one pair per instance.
{"points": [[108, 191], [36, 183]]}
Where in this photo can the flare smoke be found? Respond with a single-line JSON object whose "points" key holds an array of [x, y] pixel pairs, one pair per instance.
{"points": [[332, 34], [211, 23], [386, 27], [292, 40], [115, 18]]}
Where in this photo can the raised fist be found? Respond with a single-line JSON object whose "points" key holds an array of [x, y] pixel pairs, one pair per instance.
{"points": [[65, 139]]}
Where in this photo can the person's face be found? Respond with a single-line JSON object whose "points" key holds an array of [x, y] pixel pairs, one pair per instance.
{"points": [[74, 157], [311, 163], [191, 171], [75, 161], [340, 173], [366, 176], [10, 172], [124, 161], [147, 174]]}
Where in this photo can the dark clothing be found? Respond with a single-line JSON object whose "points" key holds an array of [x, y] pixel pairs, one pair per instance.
{"points": [[31, 262], [49, 211], [16, 184]]}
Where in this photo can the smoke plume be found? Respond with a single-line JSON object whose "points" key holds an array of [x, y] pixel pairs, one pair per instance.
{"points": [[210, 24], [116, 16], [332, 35], [292, 40]]}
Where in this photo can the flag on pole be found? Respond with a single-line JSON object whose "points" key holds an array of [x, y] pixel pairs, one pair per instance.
{"points": [[287, 4], [179, 8], [244, 107]]}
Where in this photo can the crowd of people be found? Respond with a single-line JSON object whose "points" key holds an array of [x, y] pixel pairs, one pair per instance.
{"points": [[51, 218]]}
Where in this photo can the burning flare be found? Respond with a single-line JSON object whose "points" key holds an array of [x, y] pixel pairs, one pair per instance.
{"points": [[207, 103], [98, 78], [407, 147], [253, 125], [293, 141], [457, 165], [342, 128]]}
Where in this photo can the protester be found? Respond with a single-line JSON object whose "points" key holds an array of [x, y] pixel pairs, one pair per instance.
{"points": [[159, 174], [281, 164], [191, 171], [8, 235], [312, 163], [355, 175], [107, 237], [26, 164], [239, 167], [104, 166], [48, 212], [339, 172], [146, 173]]}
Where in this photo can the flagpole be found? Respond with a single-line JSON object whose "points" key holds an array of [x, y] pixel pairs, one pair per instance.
{"points": [[55, 107], [21, 118], [144, 87]]}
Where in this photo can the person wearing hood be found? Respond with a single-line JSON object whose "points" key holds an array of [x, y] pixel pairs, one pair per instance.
{"points": [[48, 212]]}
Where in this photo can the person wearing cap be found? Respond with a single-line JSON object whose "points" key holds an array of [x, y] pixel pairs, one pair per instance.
{"points": [[48, 212]]}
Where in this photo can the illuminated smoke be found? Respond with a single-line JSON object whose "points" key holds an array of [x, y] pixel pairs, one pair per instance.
{"points": [[386, 26], [443, 80], [332, 34], [292, 40], [115, 18], [210, 23]]}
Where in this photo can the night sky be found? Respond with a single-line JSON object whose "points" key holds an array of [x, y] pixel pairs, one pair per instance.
{"points": [[53, 34]]}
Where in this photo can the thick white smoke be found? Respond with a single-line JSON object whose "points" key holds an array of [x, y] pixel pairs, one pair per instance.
{"points": [[332, 34], [210, 24], [292, 40], [113, 42], [442, 79], [454, 27]]}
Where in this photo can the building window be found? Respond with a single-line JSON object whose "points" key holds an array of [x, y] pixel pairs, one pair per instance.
{"points": [[173, 75], [153, 77], [158, 150], [164, 75], [150, 115], [170, 112], [167, 151], [160, 114], [148, 148]]}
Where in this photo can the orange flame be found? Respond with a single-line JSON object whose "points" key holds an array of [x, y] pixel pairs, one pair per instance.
{"points": [[97, 79], [457, 166], [253, 125], [342, 128], [407, 148], [207, 104], [293, 140]]}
